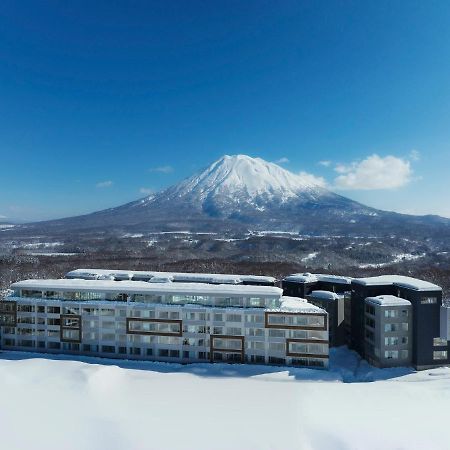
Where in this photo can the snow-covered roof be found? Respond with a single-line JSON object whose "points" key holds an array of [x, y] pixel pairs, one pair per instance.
{"points": [[175, 276], [388, 300], [313, 277], [149, 288], [398, 280], [324, 295], [297, 304]]}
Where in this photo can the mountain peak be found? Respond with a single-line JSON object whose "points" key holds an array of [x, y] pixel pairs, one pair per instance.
{"points": [[244, 177]]}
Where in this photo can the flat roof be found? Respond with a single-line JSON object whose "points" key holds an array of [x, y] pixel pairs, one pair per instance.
{"points": [[388, 300], [398, 280], [208, 277], [297, 304], [314, 277], [144, 287], [324, 295]]}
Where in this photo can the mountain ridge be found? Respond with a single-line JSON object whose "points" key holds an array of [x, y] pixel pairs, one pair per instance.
{"points": [[239, 192]]}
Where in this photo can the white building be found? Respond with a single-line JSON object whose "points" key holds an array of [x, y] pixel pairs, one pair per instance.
{"points": [[164, 321]]}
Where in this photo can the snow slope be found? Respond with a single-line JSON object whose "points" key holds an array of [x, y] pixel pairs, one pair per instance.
{"points": [[62, 404], [240, 174]]}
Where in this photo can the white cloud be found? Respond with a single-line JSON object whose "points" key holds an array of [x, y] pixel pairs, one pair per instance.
{"points": [[104, 184], [414, 155], [310, 178], [282, 160], [325, 163], [146, 191], [374, 172], [3, 217], [162, 169]]}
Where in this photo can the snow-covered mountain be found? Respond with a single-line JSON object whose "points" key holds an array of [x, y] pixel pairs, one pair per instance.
{"points": [[240, 192], [242, 178]]}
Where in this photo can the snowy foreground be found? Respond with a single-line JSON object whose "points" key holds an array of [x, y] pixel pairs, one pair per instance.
{"points": [[65, 404]]}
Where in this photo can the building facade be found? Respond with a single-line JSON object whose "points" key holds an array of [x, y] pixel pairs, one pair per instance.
{"points": [[164, 321], [330, 292], [428, 348], [333, 304], [388, 331]]}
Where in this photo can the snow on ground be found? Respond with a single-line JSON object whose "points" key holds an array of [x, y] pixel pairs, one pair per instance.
{"points": [[310, 256], [397, 259], [85, 404], [51, 254]]}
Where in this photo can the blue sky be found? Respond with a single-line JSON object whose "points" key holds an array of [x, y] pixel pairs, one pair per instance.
{"points": [[101, 102]]}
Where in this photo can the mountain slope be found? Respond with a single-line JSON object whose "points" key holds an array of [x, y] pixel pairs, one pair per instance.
{"points": [[239, 192]]}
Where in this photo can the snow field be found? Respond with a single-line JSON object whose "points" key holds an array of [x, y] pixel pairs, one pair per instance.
{"points": [[58, 403]]}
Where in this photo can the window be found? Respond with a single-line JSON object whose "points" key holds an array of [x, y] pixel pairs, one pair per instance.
{"points": [[391, 327], [9, 330], [370, 322], [234, 331], [153, 326], [29, 320], [218, 317], [25, 308], [258, 359], [234, 318], [370, 310], [404, 313], [256, 302], [256, 345], [439, 342], [369, 335], [403, 354], [254, 318], [70, 335], [428, 300], [391, 354], [108, 349], [277, 346], [440, 354], [54, 322], [30, 293], [391, 341], [392, 313], [277, 333], [404, 340], [276, 360], [227, 343], [108, 337], [255, 332]]}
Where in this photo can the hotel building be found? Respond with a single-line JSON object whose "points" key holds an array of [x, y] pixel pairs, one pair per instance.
{"points": [[390, 320], [164, 317]]}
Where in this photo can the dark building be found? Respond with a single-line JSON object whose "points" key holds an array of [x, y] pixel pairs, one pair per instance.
{"points": [[331, 292], [302, 284], [428, 349], [333, 304], [425, 330]]}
